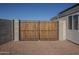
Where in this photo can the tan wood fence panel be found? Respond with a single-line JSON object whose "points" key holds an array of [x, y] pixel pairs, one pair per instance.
{"points": [[34, 31], [44, 25]]}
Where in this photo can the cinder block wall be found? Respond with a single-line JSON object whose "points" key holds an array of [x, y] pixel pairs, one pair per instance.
{"points": [[6, 31]]}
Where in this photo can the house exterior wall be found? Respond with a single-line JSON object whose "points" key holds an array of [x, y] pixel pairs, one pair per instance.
{"points": [[73, 35], [62, 28], [6, 30], [65, 33]]}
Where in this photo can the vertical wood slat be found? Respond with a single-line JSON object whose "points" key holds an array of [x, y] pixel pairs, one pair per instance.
{"points": [[34, 31]]}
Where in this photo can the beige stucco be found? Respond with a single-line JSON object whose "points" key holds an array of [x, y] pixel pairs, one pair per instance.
{"points": [[62, 28], [16, 30], [73, 35], [65, 33]]}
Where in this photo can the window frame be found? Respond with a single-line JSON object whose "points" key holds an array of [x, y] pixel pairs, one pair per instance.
{"points": [[69, 23], [75, 28], [72, 22]]}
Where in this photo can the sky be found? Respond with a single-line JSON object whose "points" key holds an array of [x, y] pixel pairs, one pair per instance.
{"points": [[31, 11]]}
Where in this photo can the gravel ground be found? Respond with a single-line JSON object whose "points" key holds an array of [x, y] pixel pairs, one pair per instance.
{"points": [[40, 48]]}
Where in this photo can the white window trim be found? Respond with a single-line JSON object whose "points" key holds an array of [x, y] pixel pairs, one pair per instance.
{"points": [[72, 21]]}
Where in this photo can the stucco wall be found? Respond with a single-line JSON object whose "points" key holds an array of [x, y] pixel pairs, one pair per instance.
{"points": [[65, 33], [16, 30], [6, 31], [73, 35], [62, 28]]}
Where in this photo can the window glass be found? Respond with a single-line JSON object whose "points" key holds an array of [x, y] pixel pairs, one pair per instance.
{"points": [[70, 22], [75, 22]]}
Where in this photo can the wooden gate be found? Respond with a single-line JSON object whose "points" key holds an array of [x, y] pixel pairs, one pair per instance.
{"points": [[42, 30]]}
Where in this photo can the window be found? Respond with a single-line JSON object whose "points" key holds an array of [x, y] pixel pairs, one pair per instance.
{"points": [[75, 22], [70, 22]]}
